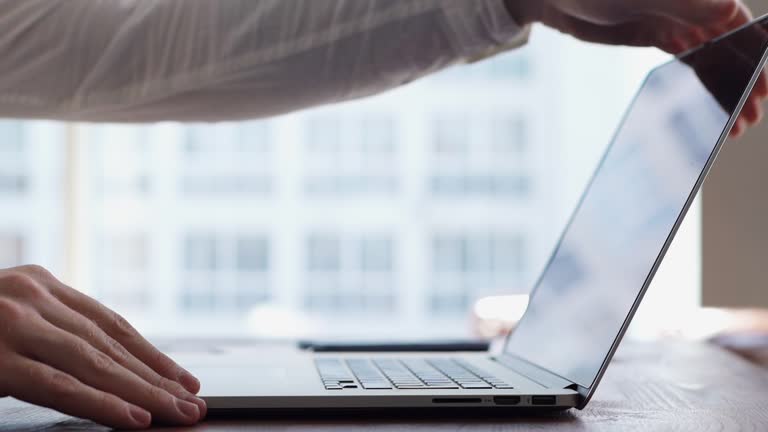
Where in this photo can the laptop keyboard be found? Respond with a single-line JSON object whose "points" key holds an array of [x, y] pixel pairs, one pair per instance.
{"points": [[404, 374]]}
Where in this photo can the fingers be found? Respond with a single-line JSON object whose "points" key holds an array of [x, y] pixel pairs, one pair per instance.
{"points": [[704, 13], [631, 33], [738, 128], [39, 384], [70, 321], [667, 34], [73, 356], [689, 25], [752, 112], [121, 331], [761, 87]]}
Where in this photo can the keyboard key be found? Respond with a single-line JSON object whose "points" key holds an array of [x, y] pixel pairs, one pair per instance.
{"points": [[376, 386], [476, 386]]}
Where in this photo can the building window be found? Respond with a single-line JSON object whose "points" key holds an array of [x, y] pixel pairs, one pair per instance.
{"points": [[228, 160], [349, 275], [124, 166], [468, 266], [353, 156], [13, 178], [479, 157], [451, 136], [11, 138], [479, 185], [324, 253], [323, 136], [515, 66], [509, 136], [376, 254], [252, 254], [225, 273], [11, 250], [376, 134], [122, 276], [200, 252], [12, 184]]}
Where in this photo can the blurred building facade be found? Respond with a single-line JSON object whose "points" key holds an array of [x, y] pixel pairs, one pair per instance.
{"points": [[375, 217]]}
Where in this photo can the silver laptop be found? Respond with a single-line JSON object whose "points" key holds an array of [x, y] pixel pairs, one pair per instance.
{"points": [[585, 298]]}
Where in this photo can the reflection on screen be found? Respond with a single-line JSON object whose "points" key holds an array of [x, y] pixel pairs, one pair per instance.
{"points": [[629, 210]]}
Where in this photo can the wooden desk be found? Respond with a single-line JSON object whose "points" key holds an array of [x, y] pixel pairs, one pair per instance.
{"points": [[669, 385]]}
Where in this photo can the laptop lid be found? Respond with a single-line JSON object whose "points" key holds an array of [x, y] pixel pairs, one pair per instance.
{"points": [[584, 300]]}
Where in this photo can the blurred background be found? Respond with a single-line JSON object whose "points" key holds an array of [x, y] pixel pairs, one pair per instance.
{"points": [[382, 218]]}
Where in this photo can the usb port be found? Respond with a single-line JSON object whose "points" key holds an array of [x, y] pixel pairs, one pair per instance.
{"points": [[543, 400]]}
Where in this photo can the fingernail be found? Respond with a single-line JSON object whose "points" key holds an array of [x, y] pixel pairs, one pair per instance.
{"points": [[188, 409], [201, 405], [189, 382], [140, 416]]}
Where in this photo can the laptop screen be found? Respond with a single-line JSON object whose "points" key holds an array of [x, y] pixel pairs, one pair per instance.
{"points": [[619, 230]]}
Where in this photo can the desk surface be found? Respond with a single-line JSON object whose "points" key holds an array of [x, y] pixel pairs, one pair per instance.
{"points": [[669, 385]]}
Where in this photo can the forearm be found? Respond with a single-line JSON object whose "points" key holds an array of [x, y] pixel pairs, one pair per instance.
{"points": [[189, 60]]}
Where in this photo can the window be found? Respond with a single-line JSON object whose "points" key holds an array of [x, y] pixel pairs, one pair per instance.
{"points": [[467, 266], [509, 136], [477, 157], [252, 254], [511, 67], [11, 138], [324, 253], [451, 136], [11, 250], [249, 139], [352, 158], [228, 160], [349, 275], [376, 134], [122, 276], [122, 166], [13, 181], [225, 274], [11, 184], [322, 136]]}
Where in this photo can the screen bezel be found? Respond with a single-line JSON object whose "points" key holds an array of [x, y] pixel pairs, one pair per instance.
{"points": [[587, 392]]}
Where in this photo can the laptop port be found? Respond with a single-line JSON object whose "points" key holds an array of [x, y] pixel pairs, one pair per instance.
{"points": [[506, 400], [543, 400], [455, 400]]}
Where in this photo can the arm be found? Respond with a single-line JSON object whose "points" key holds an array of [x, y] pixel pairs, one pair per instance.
{"points": [[188, 60]]}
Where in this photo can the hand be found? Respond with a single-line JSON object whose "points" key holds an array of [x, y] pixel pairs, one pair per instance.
{"points": [[63, 350], [672, 25], [724, 66]]}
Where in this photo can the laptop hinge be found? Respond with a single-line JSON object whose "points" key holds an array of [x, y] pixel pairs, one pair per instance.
{"points": [[535, 373]]}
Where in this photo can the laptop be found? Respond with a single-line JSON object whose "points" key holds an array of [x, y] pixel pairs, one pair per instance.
{"points": [[585, 298]]}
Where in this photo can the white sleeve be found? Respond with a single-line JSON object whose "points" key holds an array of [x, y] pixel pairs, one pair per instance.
{"points": [[211, 60]]}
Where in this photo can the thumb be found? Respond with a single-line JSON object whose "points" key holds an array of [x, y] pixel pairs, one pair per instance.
{"points": [[701, 13]]}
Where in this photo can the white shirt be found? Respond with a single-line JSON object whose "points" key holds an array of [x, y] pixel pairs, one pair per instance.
{"points": [[212, 60]]}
